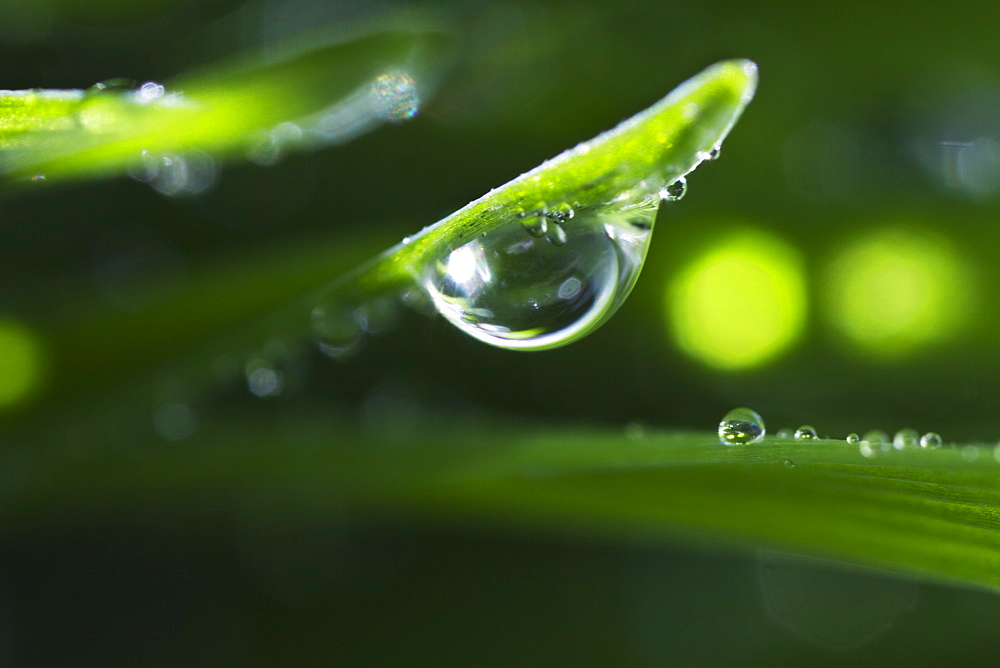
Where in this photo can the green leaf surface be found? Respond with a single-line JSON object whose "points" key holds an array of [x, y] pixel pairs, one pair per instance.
{"points": [[642, 154]]}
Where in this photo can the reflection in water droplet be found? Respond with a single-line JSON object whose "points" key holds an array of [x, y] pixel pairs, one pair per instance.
{"points": [[853, 439], [548, 287], [675, 190], [930, 440], [740, 426], [805, 433], [905, 439]]}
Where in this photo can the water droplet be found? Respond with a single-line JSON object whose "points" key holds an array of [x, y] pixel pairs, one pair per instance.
{"points": [[805, 433], [930, 440], [741, 426], [521, 291], [173, 174], [714, 153], [867, 450], [785, 433], [175, 421], [635, 431], [337, 331], [394, 96], [789, 464], [112, 85], [905, 439], [853, 439], [38, 178], [675, 190], [150, 91], [970, 453], [875, 437], [536, 226], [561, 213], [263, 380], [996, 453]]}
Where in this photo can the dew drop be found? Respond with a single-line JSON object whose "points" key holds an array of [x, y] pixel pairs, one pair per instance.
{"points": [[675, 190], [338, 333], [905, 439], [875, 437], [785, 433], [930, 440], [970, 453], [561, 213], [805, 433], [853, 438], [714, 153], [741, 426], [635, 431], [150, 91], [394, 96], [263, 380], [545, 288], [867, 450], [789, 464]]}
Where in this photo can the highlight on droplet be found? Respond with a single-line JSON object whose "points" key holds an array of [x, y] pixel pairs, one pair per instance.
{"points": [[22, 362], [740, 303], [898, 290]]}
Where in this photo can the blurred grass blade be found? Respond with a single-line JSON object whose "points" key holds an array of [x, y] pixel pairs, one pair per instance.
{"points": [[310, 93], [931, 513]]}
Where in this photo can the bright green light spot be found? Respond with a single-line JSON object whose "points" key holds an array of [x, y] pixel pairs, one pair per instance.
{"points": [[895, 291], [739, 304], [20, 362]]}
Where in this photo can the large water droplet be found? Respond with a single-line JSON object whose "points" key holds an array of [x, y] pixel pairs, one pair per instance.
{"points": [[531, 284], [740, 426]]}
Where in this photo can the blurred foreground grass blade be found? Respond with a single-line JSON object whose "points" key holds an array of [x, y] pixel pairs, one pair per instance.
{"points": [[310, 93], [932, 513]]}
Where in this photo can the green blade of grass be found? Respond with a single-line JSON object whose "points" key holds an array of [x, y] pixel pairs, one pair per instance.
{"points": [[932, 513], [309, 93]]}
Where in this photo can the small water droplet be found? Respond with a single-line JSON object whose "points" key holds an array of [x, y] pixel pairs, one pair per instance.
{"points": [[970, 453], [512, 290], [714, 153], [111, 85], [789, 464], [853, 438], [741, 426], [867, 450], [175, 421], [875, 437], [996, 453], [337, 331], [635, 431], [536, 226], [561, 213], [785, 433], [38, 178], [805, 433], [930, 440], [905, 439], [675, 190], [394, 96], [150, 91], [263, 380]]}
